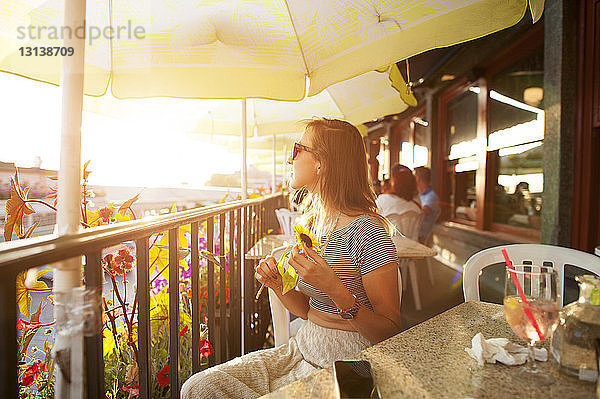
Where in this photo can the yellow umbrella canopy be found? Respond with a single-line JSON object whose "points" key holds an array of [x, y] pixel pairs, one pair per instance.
{"points": [[242, 48], [358, 100]]}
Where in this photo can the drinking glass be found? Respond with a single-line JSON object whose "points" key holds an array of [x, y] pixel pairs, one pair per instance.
{"points": [[531, 309]]}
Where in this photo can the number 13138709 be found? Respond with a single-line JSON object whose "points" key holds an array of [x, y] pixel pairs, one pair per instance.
{"points": [[46, 51]]}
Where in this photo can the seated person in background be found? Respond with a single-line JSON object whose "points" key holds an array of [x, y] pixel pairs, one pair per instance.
{"points": [[403, 193], [522, 199], [348, 293], [386, 187], [377, 187], [429, 201]]}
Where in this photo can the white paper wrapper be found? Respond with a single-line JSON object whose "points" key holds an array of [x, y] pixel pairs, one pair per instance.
{"points": [[501, 350]]}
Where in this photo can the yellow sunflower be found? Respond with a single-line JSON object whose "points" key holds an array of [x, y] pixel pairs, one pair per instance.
{"points": [[303, 236]]}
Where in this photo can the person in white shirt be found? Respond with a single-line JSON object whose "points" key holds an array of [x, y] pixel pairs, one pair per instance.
{"points": [[403, 196]]}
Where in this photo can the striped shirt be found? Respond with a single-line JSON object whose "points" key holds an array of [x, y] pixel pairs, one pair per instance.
{"points": [[353, 251]]}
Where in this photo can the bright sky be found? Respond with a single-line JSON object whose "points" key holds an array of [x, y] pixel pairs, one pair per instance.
{"points": [[142, 150]]}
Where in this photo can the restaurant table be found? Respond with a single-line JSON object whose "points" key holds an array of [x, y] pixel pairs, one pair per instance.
{"points": [[429, 361], [406, 248]]}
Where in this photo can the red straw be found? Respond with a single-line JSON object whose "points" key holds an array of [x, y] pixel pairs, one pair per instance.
{"points": [[522, 295]]}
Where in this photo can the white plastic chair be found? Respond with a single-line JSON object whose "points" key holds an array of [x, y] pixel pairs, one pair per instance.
{"points": [[286, 219], [409, 224], [282, 328], [537, 254], [428, 241]]}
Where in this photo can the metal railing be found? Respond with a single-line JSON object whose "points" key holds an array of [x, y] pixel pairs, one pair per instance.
{"points": [[248, 221]]}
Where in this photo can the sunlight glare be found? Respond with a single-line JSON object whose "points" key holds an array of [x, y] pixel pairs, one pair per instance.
{"points": [[141, 150]]}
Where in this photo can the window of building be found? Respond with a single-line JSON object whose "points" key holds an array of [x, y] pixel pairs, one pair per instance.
{"points": [[414, 142], [491, 135], [421, 147], [383, 158], [515, 141], [462, 147]]}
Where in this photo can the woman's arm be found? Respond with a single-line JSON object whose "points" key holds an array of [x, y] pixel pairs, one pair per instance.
{"points": [[295, 301], [381, 286]]}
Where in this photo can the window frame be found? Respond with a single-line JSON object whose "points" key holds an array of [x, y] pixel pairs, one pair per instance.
{"points": [[485, 174], [407, 122], [444, 167]]}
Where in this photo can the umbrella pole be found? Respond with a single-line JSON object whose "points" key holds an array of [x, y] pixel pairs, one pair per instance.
{"points": [[244, 183], [244, 171], [274, 163], [68, 348]]}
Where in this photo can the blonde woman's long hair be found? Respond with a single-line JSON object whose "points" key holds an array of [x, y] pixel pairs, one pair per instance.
{"points": [[343, 181]]}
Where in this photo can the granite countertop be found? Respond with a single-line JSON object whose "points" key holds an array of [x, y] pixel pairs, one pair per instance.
{"points": [[429, 361]]}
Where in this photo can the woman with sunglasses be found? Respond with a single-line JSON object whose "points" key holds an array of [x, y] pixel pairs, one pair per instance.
{"points": [[348, 293]]}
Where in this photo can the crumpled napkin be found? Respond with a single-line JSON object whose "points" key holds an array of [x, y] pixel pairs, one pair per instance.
{"points": [[501, 350]]}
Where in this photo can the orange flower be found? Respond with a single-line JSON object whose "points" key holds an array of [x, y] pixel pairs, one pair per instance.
{"points": [[119, 264], [106, 214]]}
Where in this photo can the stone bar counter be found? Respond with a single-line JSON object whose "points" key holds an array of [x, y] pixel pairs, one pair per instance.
{"points": [[429, 361]]}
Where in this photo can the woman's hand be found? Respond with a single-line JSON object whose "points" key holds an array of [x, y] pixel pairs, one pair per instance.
{"points": [[267, 274], [315, 271]]}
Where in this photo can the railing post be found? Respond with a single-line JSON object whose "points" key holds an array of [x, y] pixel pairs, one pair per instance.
{"points": [[231, 324], [94, 356], [174, 311], [222, 354], [195, 272], [262, 220], [239, 323], [144, 339], [247, 282], [8, 337], [212, 333]]}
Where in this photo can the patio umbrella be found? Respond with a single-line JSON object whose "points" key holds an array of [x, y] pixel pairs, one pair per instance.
{"points": [[363, 98], [243, 48]]}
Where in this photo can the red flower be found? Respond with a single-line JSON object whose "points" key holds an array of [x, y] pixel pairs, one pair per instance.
{"points": [[32, 372], [119, 264], [133, 390], [23, 325], [183, 331], [106, 214], [206, 348], [164, 375]]}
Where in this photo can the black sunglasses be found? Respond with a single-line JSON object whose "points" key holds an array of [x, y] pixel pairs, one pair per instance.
{"points": [[297, 148]]}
